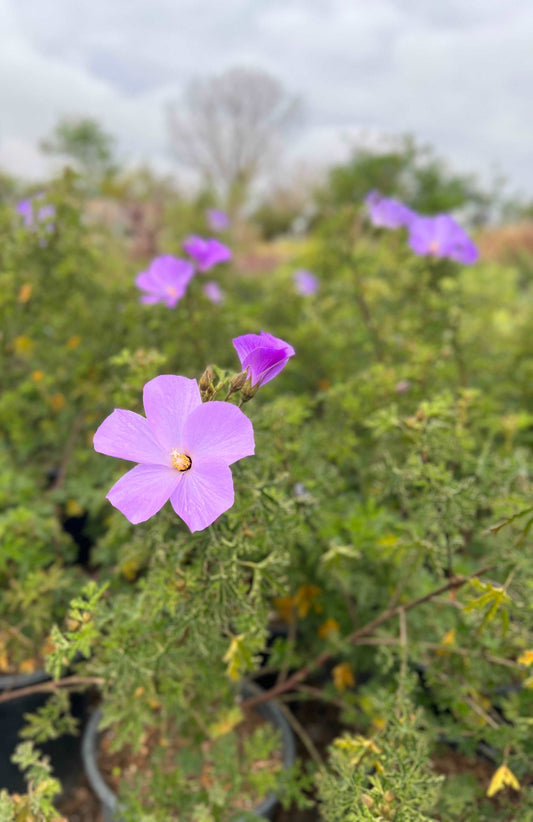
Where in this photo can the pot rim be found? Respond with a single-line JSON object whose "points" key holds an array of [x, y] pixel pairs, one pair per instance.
{"points": [[269, 710]]}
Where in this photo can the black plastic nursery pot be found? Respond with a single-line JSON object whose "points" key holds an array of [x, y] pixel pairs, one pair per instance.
{"points": [[270, 711], [64, 752]]}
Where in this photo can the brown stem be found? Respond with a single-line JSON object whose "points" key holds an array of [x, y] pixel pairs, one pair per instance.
{"points": [[325, 656], [66, 682]]}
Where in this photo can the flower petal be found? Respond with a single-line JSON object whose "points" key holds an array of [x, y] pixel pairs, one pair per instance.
{"points": [[143, 491], [204, 493], [220, 431], [128, 436], [168, 401], [245, 344], [264, 364]]}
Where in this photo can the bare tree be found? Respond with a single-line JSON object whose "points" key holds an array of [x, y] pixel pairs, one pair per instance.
{"points": [[229, 128]]}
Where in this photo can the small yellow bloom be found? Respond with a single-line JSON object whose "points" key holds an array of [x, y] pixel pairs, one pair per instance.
{"points": [[343, 676], [447, 641], [388, 541], [73, 508], [37, 376], [23, 345], [29, 666], [25, 292], [285, 609], [502, 778], [526, 658], [330, 626], [130, 569], [57, 401], [227, 722], [305, 600], [73, 342]]}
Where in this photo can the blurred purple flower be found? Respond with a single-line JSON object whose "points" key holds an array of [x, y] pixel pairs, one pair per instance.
{"points": [[387, 213], [165, 281], [263, 354], [206, 253], [218, 220], [32, 213], [403, 386], [184, 449], [441, 236], [213, 292], [305, 283]]}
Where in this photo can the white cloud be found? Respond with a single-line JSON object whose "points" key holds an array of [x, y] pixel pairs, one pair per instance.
{"points": [[457, 74]]}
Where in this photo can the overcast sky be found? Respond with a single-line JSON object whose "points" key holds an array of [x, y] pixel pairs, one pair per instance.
{"points": [[456, 73]]}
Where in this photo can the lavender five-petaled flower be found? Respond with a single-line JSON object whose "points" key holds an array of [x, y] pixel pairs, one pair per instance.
{"points": [[213, 292], [165, 281], [441, 236], [184, 449], [263, 355], [384, 212], [218, 220], [32, 213], [206, 253], [305, 283]]}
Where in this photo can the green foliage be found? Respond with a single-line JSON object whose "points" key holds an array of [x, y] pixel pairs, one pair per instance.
{"points": [[410, 172], [383, 527], [85, 142], [386, 777], [37, 804]]}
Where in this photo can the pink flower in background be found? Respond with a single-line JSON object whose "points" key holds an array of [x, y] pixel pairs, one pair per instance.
{"points": [[184, 449], [206, 253], [263, 355], [385, 212], [213, 292], [441, 236], [165, 281], [305, 283], [32, 212], [218, 220]]}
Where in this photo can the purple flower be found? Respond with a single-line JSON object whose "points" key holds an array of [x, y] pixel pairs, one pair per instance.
{"points": [[441, 236], [387, 213], [31, 213], [206, 253], [213, 292], [165, 281], [264, 355], [218, 220], [184, 449], [305, 283]]}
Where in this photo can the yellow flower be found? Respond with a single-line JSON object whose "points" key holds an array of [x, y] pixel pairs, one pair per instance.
{"points": [[37, 376], [328, 627], [343, 676], [305, 600], [57, 401], [25, 292], [502, 778], [23, 345], [73, 342], [73, 508], [526, 658], [29, 666], [285, 608]]}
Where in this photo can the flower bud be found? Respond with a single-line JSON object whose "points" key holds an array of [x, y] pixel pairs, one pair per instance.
{"points": [[248, 390], [206, 380], [237, 382]]}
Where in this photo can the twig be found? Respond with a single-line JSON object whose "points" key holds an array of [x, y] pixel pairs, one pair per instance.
{"points": [[365, 630], [302, 733], [66, 682]]}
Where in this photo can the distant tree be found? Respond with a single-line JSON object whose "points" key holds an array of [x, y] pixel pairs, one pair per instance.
{"points": [[228, 128], [410, 172], [85, 142]]}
